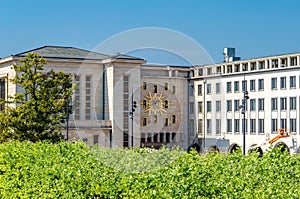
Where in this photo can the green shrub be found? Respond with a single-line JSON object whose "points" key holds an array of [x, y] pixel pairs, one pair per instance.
{"points": [[74, 170]]}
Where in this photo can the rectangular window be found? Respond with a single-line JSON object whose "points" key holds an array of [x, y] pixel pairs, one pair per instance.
{"points": [[236, 126], [274, 104], [261, 84], [293, 126], [96, 138], [283, 123], [155, 89], [229, 87], [166, 121], [144, 86], [293, 82], [166, 86], [208, 104], [236, 86], [244, 85], [261, 126], [282, 104], [252, 105], [292, 103], [229, 105], [208, 89], [144, 123], [200, 107], [173, 119], [293, 61], [173, 89], [200, 72], [218, 127], [236, 105], [274, 83], [218, 106], [274, 126], [209, 126], [218, 87], [200, 126], [200, 90], [261, 104], [252, 126], [229, 126], [282, 82], [252, 85]]}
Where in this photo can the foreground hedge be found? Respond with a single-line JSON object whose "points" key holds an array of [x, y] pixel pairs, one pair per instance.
{"points": [[65, 170]]}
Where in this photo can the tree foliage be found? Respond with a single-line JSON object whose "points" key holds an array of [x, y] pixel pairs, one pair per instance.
{"points": [[38, 109]]}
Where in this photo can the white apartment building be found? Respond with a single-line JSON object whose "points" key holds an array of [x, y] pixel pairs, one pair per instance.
{"points": [[273, 85]]}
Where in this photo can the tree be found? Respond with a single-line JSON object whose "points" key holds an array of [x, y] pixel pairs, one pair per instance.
{"points": [[38, 111]]}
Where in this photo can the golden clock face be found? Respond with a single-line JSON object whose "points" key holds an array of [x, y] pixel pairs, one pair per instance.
{"points": [[155, 103]]}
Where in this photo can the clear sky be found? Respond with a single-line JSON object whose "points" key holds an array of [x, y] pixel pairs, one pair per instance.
{"points": [[254, 27]]}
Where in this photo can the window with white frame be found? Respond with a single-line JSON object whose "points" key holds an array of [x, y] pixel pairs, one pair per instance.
{"points": [[274, 125], [244, 85], [199, 89], [236, 126], [200, 107], [261, 84], [274, 104], [283, 103], [252, 126], [229, 87], [218, 87], [282, 82], [261, 103], [218, 106], [252, 85], [208, 106], [229, 125], [274, 83], [236, 86], [261, 126], [208, 124], [208, 89], [252, 105], [283, 123], [229, 105], [236, 105], [292, 81], [218, 127], [293, 126], [292, 103]]}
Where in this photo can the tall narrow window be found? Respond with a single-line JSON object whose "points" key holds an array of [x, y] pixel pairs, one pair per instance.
{"points": [[252, 105], [229, 87], [261, 84], [274, 104], [283, 104], [145, 122], [261, 126], [236, 86], [293, 126], [283, 83], [274, 83], [77, 101], [236, 126], [200, 107], [218, 87], [208, 124], [292, 103], [144, 86], [166, 121], [236, 105], [229, 105], [252, 85], [252, 126], [229, 126], [166, 86], [166, 104], [155, 88], [261, 103], [274, 126], [199, 89], [208, 106], [218, 106], [208, 89], [173, 119], [218, 127], [293, 82], [173, 89]]}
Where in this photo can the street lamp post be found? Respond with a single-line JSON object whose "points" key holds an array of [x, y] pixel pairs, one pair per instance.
{"points": [[133, 107], [243, 107]]}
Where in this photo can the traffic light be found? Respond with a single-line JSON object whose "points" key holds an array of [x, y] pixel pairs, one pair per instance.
{"points": [[246, 95], [134, 106]]}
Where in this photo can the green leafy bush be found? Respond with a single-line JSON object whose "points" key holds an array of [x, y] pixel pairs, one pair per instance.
{"points": [[74, 170]]}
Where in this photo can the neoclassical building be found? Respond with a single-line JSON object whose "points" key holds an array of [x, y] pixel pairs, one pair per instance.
{"points": [[120, 101]]}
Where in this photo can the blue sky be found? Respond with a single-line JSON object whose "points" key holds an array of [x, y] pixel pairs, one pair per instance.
{"points": [[255, 28]]}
